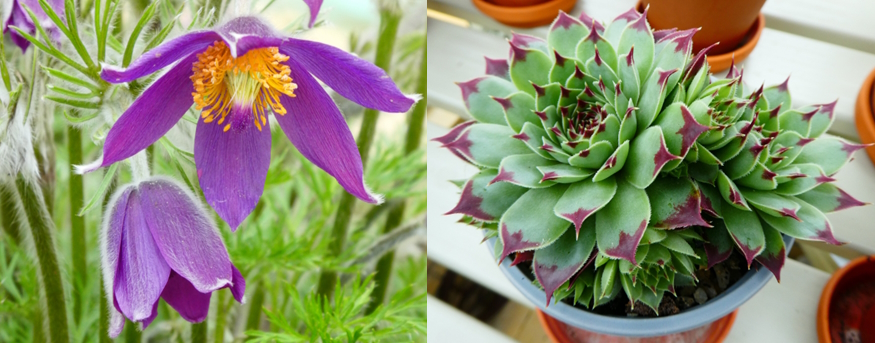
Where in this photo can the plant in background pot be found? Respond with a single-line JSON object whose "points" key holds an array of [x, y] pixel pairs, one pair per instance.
{"points": [[619, 175]]}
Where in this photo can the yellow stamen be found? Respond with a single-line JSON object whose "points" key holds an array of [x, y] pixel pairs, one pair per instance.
{"points": [[255, 80]]}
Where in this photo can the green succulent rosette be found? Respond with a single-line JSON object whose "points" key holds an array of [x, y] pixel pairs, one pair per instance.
{"points": [[610, 157]]}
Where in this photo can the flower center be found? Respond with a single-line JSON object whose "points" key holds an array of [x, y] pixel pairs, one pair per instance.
{"points": [[254, 81]]}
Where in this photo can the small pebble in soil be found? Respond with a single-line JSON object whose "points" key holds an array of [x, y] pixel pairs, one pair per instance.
{"points": [[722, 276], [700, 296], [688, 301], [711, 292]]}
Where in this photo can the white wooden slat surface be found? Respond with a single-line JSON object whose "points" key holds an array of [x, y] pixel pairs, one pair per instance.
{"points": [[843, 22], [821, 72], [778, 313], [447, 324]]}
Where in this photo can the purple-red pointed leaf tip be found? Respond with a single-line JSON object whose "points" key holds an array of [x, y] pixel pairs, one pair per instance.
{"points": [[503, 175], [715, 256], [469, 204], [577, 217], [628, 244], [564, 21], [773, 263], [847, 201], [513, 242], [523, 256], [688, 213], [468, 88], [454, 133], [496, 67]]}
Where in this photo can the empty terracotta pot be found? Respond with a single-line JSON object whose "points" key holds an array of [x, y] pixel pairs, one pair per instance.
{"points": [[865, 114], [516, 3], [724, 21], [846, 312], [539, 14]]}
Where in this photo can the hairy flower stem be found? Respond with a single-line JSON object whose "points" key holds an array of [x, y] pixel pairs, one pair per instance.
{"points": [[77, 223], [221, 317], [8, 213], [42, 232], [104, 306], [411, 144], [199, 332], [132, 332], [253, 319], [389, 19]]}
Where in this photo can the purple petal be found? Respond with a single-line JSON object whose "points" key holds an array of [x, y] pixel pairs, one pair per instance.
{"points": [[316, 127], [150, 116], [314, 6], [192, 305], [152, 316], [110, 245], [142, 271], [232, 165], [238, 285], [354, 78], [185, 235], [242, 34], [163, 55]]}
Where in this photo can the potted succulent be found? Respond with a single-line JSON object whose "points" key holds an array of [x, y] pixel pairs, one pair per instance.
{"points": [[734, 24], [618, 178]]}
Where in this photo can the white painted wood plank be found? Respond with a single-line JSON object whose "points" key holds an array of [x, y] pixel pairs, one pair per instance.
{"points": [[447, 324], [821, 72], [844, 22], [452, 244], [782, 312]]}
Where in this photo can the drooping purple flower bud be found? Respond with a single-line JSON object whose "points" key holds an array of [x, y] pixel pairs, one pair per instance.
{"points": [[157, 241], [16, 15]]}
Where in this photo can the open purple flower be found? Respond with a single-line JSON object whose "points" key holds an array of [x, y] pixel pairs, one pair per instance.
{"points": [[15, 15], [157, 241], [236, 74]]}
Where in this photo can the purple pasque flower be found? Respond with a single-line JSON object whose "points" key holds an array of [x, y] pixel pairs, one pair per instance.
{"points": [[235, 74], [14, 14], [158, 242]]}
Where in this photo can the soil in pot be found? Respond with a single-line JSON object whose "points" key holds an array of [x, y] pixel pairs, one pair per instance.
{"points": [[712, 282]]}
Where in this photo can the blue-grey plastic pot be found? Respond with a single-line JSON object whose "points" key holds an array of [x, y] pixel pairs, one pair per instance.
{"points": [[698, 316]]}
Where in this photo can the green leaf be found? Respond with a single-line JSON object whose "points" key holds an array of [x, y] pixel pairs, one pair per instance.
{"points": [[484, 201], [593, 157], [647, 155], [675, 203], [613, 164], [147, 16], [479, 95], [830, 153], [609, 273], [487, 144], [565, 32], [621, 223], [582, 199], [730, 193], [746, 231], [556, 263], [518, 110], [829, 198], [529, 223], [813, 224], [533, 135], [529, 66], [101, 190], [522, 170], [773, 256], [677, 244], [771, 203], [563, 173]]}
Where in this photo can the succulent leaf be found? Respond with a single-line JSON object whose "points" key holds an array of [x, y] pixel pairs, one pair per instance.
{"points": [[486, 203], [529, 223], [621, 223], [746, 231], [582, 199], [478, 94], [558, 262]]}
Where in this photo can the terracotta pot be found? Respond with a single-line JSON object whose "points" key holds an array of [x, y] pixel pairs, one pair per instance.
{"points": [[722, 61], [864, 114], [559, 332], [724, 21], [847, 305], [525, 16], [516, 3]]}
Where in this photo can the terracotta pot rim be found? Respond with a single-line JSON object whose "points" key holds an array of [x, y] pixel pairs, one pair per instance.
{"points": [[823, 334], [515, 9], [864, 120], [750, 41], [723, 326]]}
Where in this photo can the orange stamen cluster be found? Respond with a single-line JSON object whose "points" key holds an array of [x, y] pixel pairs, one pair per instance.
{"points": [[255, 80]]}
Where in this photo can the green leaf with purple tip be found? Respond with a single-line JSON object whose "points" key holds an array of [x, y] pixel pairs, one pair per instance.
{"points": [[653, 92], [651, 236], [796, 120], [829, 198], [621, 223], [565, 33], [647, 155], [486, 202], [529, 66], [628, 73], [529, 223], [639, 36], [486, 144], [609, 271], [746, 231], [801, 178], [774, 254], [563, 67], [478, 93], [532, 135], [633, 290], [563, 173], [778, 95], [586, 49], [610, 130], [719, 244], [677, 244], [771, 203], [583, 199], [680, 128], [547, 95], [822, 119], [761, 178], [556, 263], [788, 145], [730, 192], [813, 225], [522, 170], [613, 164], [675, 203], [593, 157], [830, 153], [745, 160], [518, 110], [628, 126]]}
